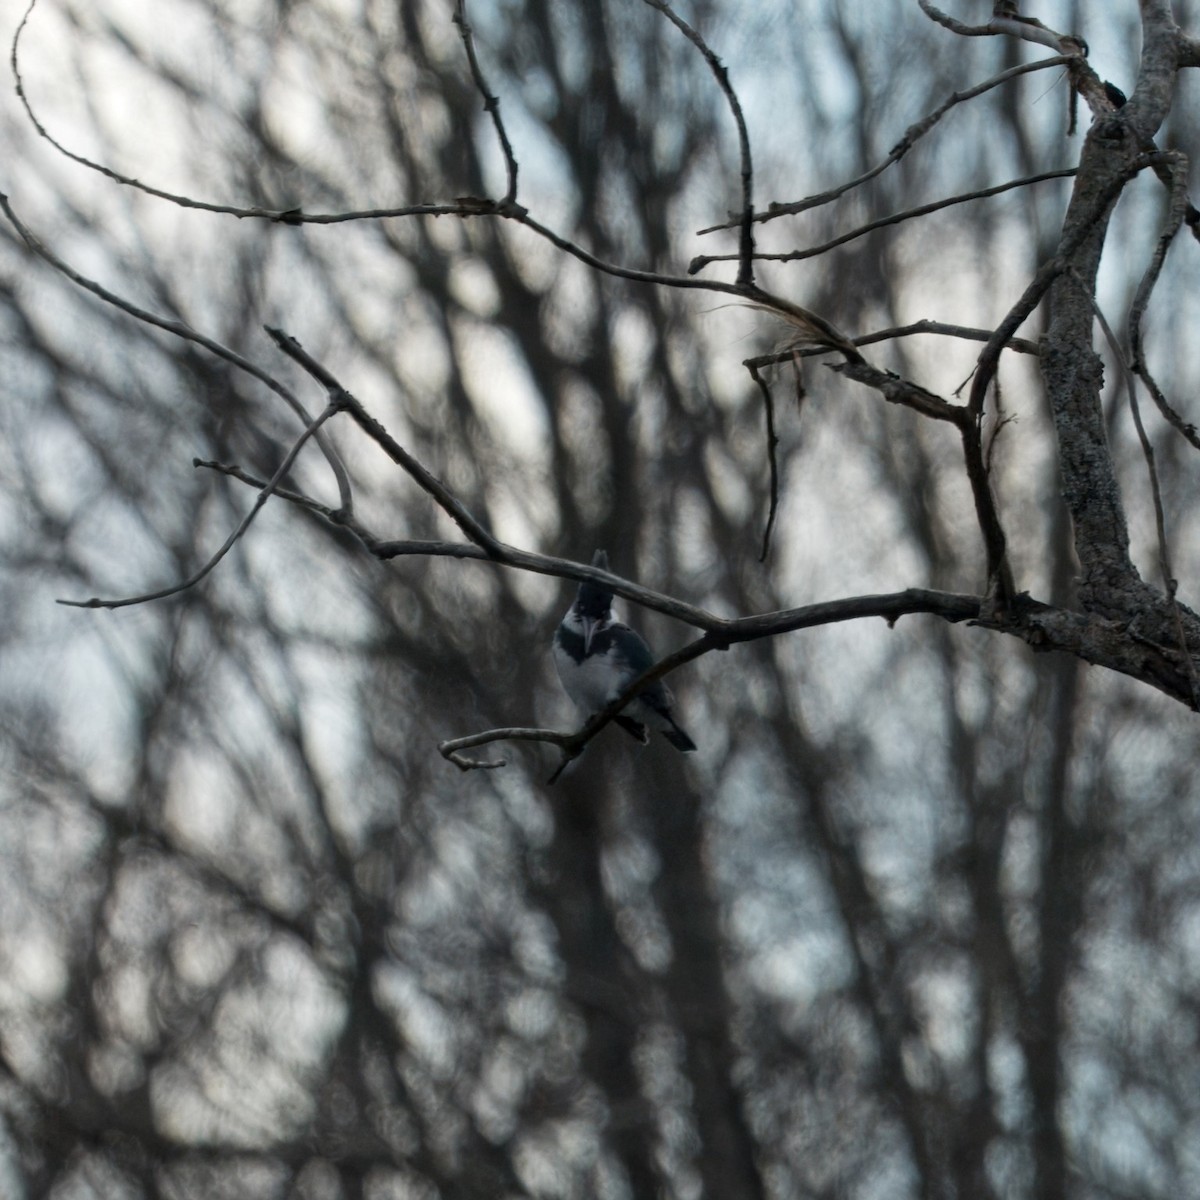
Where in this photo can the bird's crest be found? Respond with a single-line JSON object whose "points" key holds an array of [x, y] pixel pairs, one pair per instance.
{"points": [[594, 600]]}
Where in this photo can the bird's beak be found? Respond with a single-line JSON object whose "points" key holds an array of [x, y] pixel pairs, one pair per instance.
{"points": [[589, 629]]}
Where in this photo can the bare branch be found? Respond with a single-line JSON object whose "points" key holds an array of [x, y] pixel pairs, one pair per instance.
{"points": [[989, 357], [896, 390], [452, 749], [446, 500], [911, 136], [1185, 428], [263, 496], [1021, 345], [703, 260], [1028, 29], [947, 605], [180, 330], [1189, 50], [1170, 583], [1042, 626], [745, 275], [1175, 166], [491, 102], [1091, 637], [772, 461], [337, 516]]}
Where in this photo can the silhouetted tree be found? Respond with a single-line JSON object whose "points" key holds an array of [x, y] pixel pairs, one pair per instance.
{"points": [[917, 920]]}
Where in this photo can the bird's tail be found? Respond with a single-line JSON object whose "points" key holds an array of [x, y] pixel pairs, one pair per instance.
{"points": [[678, 738], [655, 709], [632, 727]]}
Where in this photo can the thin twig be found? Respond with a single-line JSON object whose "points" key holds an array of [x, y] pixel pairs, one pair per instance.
{"points": [[1028, 29], [772, 459], [745, 275], [703, 260], [1021, 345], [334, 515], [430, 483], [1177, 212], [263, 496], [452, 749], [911, 136], [897, 390], [1176, 166], [1184, 428], [491, 102], [181, 330], [1088, 636], [466, 207], [1002, 422]]}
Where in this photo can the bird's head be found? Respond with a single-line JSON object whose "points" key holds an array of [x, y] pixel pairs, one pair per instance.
{"points": [[593, 603]]}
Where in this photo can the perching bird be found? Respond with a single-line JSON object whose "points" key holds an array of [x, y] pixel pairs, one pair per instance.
{"points": [[597, 657]]}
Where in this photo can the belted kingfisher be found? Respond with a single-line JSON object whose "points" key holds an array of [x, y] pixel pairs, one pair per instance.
{"points": [[597, 657]]}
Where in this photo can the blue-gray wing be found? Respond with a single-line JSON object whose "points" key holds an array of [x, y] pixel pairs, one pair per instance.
{"points": [[632, 649]]}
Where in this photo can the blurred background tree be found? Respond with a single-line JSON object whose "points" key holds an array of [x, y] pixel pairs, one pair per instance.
{"points": [[920, 919]]}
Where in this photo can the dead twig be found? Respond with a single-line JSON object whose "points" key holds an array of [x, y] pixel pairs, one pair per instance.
{"points": [[703, 260], [429, 483], [772, 459], [491, 102], [263, 496], [745, 256], [792, 353], [187, 333], [910, 138]]}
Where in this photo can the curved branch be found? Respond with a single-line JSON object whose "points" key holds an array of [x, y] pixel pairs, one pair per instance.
{"points": [[746, 254], [1028, 29], [1020, 345], [181, 330], [923, 210], [491, 103], [911, 136], [263, 496], [430, 483], [772, 457]]}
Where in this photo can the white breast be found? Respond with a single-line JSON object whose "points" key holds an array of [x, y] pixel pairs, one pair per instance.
{"points": [[592, 683]]}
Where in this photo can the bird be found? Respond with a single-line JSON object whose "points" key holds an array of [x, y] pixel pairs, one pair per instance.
{"points": [[597, 657]]}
